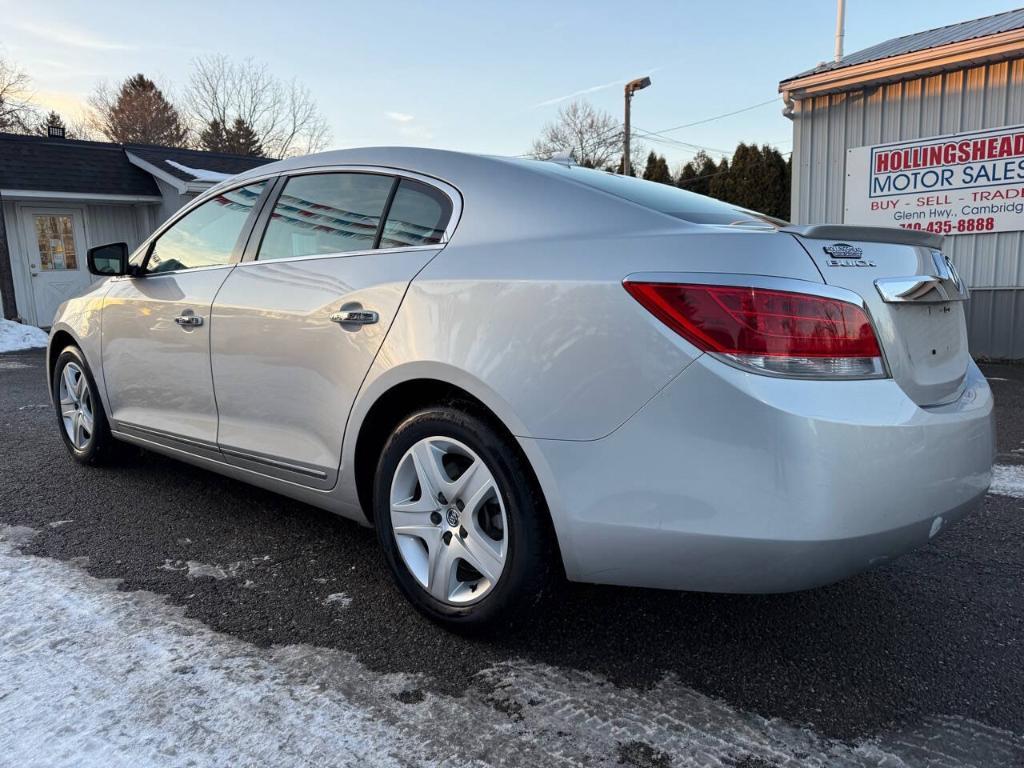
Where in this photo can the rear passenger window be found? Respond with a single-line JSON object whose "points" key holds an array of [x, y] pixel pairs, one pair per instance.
{"points": [[326, 213], [419, 215]]}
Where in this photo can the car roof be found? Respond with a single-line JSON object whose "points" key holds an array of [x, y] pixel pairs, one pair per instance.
{"points": [[443, 164], [502, 194]]}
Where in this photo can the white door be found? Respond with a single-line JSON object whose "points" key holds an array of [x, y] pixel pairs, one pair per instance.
{"points": [[55, 241]]}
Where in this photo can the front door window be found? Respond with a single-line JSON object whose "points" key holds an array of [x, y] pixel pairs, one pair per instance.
{"points": [[56, 238]]}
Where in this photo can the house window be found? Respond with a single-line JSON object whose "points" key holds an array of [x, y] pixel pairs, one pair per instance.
{"points": [[56, 239]]}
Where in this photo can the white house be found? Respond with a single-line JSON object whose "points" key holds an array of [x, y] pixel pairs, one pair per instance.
{"points": [[60, 197]]}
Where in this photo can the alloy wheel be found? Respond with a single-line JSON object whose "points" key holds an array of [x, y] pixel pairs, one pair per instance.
{"points": [[449, 520], [76, 406]]}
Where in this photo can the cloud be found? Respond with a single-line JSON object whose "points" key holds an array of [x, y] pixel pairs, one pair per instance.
{"points": [[585, 91], [399, 117], [72, 37], [574, 94]]}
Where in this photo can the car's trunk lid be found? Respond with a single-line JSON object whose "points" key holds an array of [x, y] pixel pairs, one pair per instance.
{"points": [[914, 295]]}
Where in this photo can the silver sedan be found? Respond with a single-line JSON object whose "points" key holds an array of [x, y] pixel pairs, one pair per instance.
{"points": [[519, 369]]}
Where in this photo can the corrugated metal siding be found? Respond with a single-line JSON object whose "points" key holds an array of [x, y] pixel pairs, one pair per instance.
{"points": [[986, 96], [995, 324]]}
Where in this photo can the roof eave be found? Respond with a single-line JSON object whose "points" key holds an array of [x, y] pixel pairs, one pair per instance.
{"points": [[179, 184], [1005, 45], [85, 197]]}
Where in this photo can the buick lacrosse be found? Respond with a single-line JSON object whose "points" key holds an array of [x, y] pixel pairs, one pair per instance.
{"points": [[515, 369]]}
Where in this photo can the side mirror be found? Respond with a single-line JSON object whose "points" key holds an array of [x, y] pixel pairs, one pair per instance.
{"points": [[109, 260]]}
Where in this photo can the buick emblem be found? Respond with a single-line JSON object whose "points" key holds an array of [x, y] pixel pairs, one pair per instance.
{"points": [[846, 255], [453, 516], [843, 251]]}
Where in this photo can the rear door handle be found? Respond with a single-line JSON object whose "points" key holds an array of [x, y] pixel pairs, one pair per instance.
{"points": [[189, 321], [355, 317]]}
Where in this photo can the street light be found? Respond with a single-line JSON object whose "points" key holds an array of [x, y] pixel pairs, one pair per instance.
{"points": [[631, 87]]}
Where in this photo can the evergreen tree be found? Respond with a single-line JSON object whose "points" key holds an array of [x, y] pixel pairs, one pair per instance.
{"points": [[696, 175], [720, 183], [53, 120], [238, 139], [756, 178], [213, 138], [139, 113], [657, 169], [242, 139], [776, 183]]}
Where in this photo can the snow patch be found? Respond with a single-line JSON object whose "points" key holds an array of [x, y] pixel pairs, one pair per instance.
{"points": [[197, 570], [200, 174], [1008, 481], [15, 336], [341, 599], [93, 676]]}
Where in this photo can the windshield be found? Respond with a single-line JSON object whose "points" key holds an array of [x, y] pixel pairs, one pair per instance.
{"points": [[663, 198]]}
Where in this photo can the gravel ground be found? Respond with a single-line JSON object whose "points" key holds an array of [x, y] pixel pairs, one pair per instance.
{"points": [[926, 650]]}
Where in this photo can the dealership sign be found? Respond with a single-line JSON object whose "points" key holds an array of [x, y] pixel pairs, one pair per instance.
{"points": [[953, 185]]}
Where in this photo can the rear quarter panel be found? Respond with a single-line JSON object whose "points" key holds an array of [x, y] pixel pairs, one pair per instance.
{"points": [[543, 331]]}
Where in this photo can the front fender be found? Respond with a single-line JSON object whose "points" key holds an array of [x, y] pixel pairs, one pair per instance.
{"points": [[81, 319]]}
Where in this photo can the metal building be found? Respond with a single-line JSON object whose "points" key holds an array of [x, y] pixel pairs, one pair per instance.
{"points": [[926, 131]]}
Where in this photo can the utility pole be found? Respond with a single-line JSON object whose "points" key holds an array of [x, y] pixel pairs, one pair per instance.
{"points": [[840, 27], [631, 87]]}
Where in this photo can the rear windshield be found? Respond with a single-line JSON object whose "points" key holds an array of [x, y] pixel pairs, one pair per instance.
{"points": [[663, 198]]}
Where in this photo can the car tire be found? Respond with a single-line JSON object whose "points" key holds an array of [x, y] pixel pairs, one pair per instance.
{"points": [[495, 521], [81, 420]]}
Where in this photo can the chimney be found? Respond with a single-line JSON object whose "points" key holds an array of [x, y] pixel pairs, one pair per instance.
{"points": [[55, 131]]}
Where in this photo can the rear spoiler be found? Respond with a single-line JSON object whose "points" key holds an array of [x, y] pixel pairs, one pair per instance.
{"points": [[867, 234]]}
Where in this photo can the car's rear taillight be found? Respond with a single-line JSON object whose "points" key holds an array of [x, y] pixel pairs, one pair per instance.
{"points": [[771, 331]]}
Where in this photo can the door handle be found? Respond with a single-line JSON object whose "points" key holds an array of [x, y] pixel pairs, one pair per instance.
{"points": [[189, 321], [355, 317]]}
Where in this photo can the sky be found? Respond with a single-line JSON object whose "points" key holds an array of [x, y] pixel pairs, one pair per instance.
{"points": [[475, 76]]}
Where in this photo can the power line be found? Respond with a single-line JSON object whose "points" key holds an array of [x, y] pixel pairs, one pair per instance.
{"points": [[658, 136], [718, 117], [652, 136]]}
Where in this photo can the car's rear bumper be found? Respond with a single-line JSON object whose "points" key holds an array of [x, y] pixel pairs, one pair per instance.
{"points": [[732, 482]]}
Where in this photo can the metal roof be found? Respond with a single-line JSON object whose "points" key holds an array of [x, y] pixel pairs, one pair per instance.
{"points": [[920, 41]]}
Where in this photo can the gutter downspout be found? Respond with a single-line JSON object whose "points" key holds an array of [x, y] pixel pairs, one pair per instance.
{"points": [[787, 100]]}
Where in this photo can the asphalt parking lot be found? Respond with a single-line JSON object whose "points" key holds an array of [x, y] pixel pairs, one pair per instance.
{"points": [[920, 660]]}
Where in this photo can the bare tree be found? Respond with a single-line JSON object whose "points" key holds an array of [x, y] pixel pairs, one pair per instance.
{"points": [[592, 137], [17, 113], [282, 114]]}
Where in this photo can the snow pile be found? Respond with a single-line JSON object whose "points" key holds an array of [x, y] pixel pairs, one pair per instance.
{"points": [[200, 174], [1008, 481], [91, 676], [15, 336]]}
